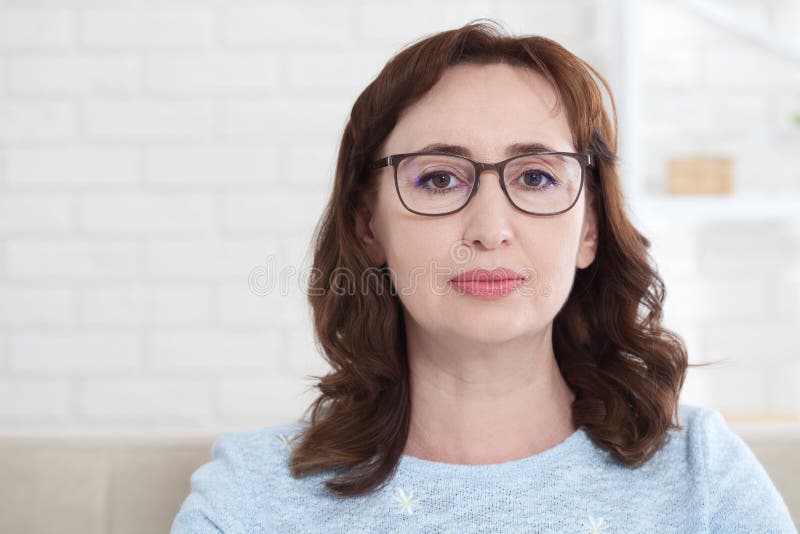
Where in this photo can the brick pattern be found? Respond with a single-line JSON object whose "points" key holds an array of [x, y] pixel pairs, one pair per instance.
{"points": [[151, 156]]}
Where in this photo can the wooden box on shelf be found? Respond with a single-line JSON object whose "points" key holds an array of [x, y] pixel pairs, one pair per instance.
{"points": [[700, 175]]}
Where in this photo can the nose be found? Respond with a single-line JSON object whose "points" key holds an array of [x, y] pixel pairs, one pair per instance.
{"points": [[488, 214]]}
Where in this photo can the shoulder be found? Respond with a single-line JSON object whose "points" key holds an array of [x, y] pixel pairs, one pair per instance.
{"points": [[707, 440], [736, 488], [224, 490], [245, 456], [704, 431], [701, 424], [703, 419], [710, 439], [250, 450]]}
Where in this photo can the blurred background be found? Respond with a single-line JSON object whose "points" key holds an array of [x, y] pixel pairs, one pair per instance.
{"points": [[162, 162]]}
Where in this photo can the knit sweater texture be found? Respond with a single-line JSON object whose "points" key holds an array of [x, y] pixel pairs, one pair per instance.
{"points": [[705, 479]]}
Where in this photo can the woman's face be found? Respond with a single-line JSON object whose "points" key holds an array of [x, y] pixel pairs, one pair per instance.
{"points": [[484, 108]]}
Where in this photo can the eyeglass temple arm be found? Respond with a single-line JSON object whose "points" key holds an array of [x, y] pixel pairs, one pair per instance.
{"points": [[384, 162]]}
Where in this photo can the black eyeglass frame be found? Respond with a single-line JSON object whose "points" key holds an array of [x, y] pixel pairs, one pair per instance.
{"points": [[585, 159]]}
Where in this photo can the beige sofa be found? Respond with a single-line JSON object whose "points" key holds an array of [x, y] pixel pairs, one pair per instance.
{"points": [[93, 486]]}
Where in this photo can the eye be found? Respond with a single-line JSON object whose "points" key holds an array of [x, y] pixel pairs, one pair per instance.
{"points": [[438, 182], [536, 179]]}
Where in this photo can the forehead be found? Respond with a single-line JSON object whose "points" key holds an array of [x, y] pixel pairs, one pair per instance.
{"points": [[485, 108]]}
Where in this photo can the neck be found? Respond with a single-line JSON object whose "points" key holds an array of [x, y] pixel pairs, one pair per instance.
{"points": [[486, 406]]}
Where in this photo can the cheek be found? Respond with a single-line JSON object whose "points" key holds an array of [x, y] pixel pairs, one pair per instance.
{"points": [[420, 268], [413, 253], [552, 259]]}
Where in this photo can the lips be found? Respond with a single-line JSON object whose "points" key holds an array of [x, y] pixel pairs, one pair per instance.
{"points": [[487, 275], [486, 284]]}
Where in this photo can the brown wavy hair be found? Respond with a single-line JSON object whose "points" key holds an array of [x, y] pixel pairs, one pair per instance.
{"points": [[625, 369]]}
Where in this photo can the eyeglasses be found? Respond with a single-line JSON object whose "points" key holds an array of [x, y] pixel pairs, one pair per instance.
{"points": [[436, 183]]}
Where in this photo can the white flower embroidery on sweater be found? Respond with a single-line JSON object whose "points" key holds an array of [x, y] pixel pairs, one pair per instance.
{"points": [[286, 441], [595, 525], [405, 502]]}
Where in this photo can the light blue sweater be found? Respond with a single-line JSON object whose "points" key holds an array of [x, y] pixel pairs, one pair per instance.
{"points": [[706, 479]]}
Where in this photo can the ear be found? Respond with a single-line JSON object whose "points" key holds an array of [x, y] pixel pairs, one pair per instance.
{"points": [[365, 231], [587, 248]]}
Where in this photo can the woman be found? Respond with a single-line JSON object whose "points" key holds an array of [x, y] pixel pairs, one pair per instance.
{"points": [[492, 320]]}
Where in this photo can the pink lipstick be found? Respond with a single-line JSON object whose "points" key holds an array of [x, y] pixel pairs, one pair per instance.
{"points": [[488, 284]]}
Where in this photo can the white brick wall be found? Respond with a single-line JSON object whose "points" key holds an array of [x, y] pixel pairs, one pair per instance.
{"points": [[149, 118], [218, 350], [75, 164], [317, 25], [36, 213], [157, 160], [70, 259], [147, 212], [185, 258], [150, 27], [31, 119], [36, 28], [128, 398], [28, 305], [72, 71], [72, 353], [35, 399]]}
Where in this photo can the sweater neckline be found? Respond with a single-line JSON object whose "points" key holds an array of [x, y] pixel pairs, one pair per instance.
{"points": [[539, 460]]}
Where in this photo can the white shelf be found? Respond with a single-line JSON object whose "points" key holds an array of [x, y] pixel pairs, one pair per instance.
{"points": [[626, 80], [713, 207]]}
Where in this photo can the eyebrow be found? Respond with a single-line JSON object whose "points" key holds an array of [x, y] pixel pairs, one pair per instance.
{"points": [[511, 150]]}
